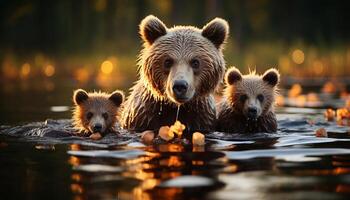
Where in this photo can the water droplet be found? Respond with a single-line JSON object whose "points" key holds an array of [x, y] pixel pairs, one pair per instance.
{"points": [[177, 113]]}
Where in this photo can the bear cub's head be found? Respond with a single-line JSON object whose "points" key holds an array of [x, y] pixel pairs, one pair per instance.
{"points": [[182, 62], [251, 95], [96, 112]]}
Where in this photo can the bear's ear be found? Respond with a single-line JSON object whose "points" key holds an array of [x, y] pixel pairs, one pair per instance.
{"points": [[272, 77], [151, 28], [117, 97], [233, 75], [216, 31], [80, 96]]}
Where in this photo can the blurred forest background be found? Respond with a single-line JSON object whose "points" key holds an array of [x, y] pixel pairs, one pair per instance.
{"points": [[49, 48]]}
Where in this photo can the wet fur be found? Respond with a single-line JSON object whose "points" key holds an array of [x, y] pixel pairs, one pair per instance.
{"points": [[145, 112], [231, 116], [97, 102], [142, 107]]}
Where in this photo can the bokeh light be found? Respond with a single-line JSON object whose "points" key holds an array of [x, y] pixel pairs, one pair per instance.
{"points": [[107, 67], [82, 75], [49, 70], [298, 56], [25, 70]]}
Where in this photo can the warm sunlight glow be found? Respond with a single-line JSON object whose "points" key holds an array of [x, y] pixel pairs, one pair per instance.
{"points": [[280, 100], [298, 56], [49, 70], [295, 91], [318, 67], [25, 70], [312, 97], [329, 88], [107, 67], [9, 71], [82, 75]]}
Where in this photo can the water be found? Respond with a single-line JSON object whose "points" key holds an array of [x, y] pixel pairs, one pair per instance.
{"points": [[177, 112], [292, 164]]}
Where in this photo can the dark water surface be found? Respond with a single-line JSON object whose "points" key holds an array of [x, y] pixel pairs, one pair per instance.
{"points": [[44, 160], [292, 164]]}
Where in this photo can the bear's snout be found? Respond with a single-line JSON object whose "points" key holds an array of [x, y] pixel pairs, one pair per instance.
{"points": [[97, 128], [252, 112], [180, 89]]}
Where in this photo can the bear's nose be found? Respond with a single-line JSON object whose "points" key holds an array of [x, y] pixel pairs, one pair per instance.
{"points": [[97, 128], [252, 112], [180, 88]]}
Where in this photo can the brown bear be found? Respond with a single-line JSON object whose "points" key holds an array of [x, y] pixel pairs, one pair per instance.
{"points": [[179, 66], [95, 112], [248, 102]]}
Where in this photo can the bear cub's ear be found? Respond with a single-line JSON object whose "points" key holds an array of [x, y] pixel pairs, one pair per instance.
{"points": [[80, 96], [216, 31], [232, 76], [117, 97], [272, 77], [151, 28]]}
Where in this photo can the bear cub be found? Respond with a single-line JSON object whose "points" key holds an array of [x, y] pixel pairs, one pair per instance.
{"points": [[96, 112], [248, 102]]}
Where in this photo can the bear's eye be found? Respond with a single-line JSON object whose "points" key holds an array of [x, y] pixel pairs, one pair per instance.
{"points": [[168, 62], [243, 97], [194, 63], [105, 116], [89, 115], [260, 97]]}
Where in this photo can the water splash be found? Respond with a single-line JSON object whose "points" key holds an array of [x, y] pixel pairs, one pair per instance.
{"points": [[177, 113]]}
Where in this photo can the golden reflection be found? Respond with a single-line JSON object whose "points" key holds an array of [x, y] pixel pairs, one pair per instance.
{"points": [[169, 175], [76, 188], [198, 148], [172, 161], [73, 160], [232, 168], [76, 177], [197, 162], [49, 70], [149, 184], [298, 56], [74, 147], [171, 148]]}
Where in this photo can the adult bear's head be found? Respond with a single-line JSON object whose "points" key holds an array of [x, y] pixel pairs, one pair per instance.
{"points": [[183, 62]]}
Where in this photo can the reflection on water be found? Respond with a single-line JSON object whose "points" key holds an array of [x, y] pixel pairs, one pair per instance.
{"points": [[293, 164]]}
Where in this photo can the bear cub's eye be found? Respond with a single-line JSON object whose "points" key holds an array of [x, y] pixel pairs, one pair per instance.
{"points": [[89, 115], [243, 97], [194, 63], [260, 97], [105, 116], [168, 62]]}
